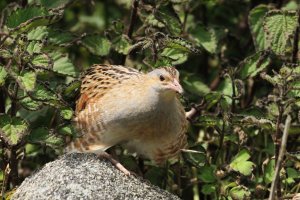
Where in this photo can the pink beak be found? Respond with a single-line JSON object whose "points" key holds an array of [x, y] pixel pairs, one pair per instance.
{"points": [[176, 86]]}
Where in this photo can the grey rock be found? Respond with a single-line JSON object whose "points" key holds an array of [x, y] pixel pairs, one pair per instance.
{"points": [[84, 176]]}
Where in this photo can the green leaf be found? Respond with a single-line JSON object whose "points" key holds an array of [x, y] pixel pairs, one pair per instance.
{"points": [[27, 80], [256, 19], [66, 113], [62, 64], [241, 164], [176, 56], [96, 44], [42, 60], [240, 193], [207, 38], [122, 44], [269, 171], [254, 64], [67, 130], [43, 94], [54, 3], [34, 47], [212, 98], [280, 26], [22, 15], [4, 53], [195, 155], [13, 129], [207, 174], [168, 16], [71, 89], [58, 37], [194, 84], [42, 135], [25, 19], [3, 75], [226, 88], [208, 189], [30, 104], [38, 33]]}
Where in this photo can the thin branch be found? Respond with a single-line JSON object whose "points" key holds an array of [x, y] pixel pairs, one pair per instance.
{"points": [[280, 157], [296, 41], [133, 18], [5, 181]]}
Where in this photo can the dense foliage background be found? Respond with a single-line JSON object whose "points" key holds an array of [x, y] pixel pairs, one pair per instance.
{"points": [[239, 65]]}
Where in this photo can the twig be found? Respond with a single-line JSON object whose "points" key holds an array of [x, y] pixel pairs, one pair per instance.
{"points": [[5, 181], [280, 157], [131, 25], [296, 40]]}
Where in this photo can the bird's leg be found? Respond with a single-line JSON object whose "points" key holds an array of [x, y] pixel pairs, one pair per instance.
{"points": [[116, 163]]}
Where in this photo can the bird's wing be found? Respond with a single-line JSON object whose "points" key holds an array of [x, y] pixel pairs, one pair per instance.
{"points": [[96, 82], [99, 79]]}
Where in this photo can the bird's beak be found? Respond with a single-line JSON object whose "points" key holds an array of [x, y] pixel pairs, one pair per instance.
{"points": [[175, 85]]}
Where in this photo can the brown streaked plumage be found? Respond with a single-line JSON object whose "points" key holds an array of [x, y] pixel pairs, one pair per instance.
{"points": [[120, 105]]}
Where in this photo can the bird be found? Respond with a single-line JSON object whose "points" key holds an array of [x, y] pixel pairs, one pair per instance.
{"points": [[140, 111]]}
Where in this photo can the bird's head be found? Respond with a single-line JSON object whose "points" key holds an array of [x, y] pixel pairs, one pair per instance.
{"points": [[166, 81]]}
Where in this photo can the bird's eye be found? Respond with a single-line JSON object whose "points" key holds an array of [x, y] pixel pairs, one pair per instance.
{"points": [[161, 78]]}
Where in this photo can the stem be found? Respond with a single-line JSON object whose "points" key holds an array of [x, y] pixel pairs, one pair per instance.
{"points": [[13, 163], [280, 158], [131, 25], [233, 95], [277, 144], [296, 40], [5, 181], [2, 101]]}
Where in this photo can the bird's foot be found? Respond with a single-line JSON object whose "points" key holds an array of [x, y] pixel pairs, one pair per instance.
{"points": [[116, 163]]}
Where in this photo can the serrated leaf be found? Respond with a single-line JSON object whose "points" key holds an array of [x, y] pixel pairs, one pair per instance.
{"points": [[269, 171], [241, 164], [30, 104], [3, 75], [207, 38], [226, 88], [122, 44], [280, 27], [54, 3], [42, 93], [208, 189], [97, 45], [58, 37], [12, 129], [150, 20], [38, 33], [67, 130], [207, 174], [180, 44], [168, 16], [4, 53], [239, 193], [27, 80], [62, 64], [195, 155], [43, 136], [253, 65], [66, 113], [42, 60], [194, 84], [176, 56], [256, 19], [34, 47], [71, 89], [212, 98], [25, 19], [22, 15]]}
